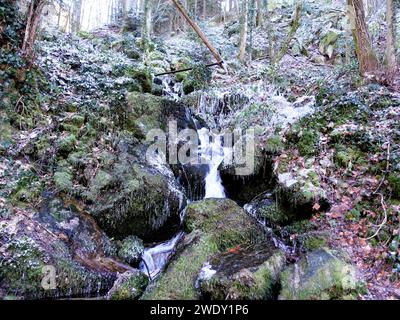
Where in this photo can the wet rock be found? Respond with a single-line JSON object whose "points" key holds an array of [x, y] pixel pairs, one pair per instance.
{"points": [[228, 223], [214, 225], [143, 199], [148, 112], [129, 286], [321, 275], [267, 211], [192, 178], [178, 281], [62, 241], [242, 274]]}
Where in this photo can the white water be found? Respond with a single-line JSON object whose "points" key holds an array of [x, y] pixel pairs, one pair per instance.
{"points": [[212, 153], [154, 259]]}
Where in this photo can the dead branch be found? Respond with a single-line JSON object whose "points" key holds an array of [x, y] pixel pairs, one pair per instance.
{"points": [[383, 203]]}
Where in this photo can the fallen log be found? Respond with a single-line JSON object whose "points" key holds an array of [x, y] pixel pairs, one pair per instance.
{"points": [[196, 28], [187, 69]]}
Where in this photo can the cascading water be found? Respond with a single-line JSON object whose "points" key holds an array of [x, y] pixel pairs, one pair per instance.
{"points": [[155, 259], [213, 154], [210, 152]]}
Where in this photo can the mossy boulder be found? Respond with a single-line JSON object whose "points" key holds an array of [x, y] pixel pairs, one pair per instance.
{"points": [[321, 275], [142, 76], [62, 241], [142, 199], [299, 190], [250, 273], [178, 281], [225, 221], [131, 250], [146, 112], [328, 43], [214, 226], [129, 286]]}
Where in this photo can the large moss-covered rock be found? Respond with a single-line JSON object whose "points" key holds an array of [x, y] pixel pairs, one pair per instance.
{"points": [[60, 239], [178, 281], [299, 189], [147, 112], [320, 275], [242, 274], [225, 221], [129, 286], [142, 199], [215, 225]]}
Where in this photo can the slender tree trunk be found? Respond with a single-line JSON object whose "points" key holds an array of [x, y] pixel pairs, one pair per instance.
{"points": [[366, 56], [295, 25], [146, 33], [260, 12], [243, 33], [77, 15], [391, 63]]}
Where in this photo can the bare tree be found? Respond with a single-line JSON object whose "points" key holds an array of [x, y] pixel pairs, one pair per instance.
{"points": [[35, 8], [366, 56], [391, 63], [243, 32]]}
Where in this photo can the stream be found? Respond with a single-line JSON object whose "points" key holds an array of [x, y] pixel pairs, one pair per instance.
{"points": [[211, 153]]}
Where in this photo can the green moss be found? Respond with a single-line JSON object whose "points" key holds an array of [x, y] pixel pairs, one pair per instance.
{"points": [[145, 113], [143, 77], [274, 144], [394, 182], [178, 282], [314, 242], [276, 215], [308, 143], [22, 270], [63, 181], [321, 275], [129, 286], [66, 143], [346, 157], [131, 250], [197, 79]]}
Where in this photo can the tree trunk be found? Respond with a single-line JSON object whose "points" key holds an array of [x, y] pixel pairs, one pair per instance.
{"points": [[295, 25], [391, 63], [32, 23], [260, 12], [77, 14], [366, 56], [243, 33], [146, 33]]}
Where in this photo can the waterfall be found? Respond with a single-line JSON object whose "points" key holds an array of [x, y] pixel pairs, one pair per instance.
{"points": [[154, 259], [213, 154]]}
